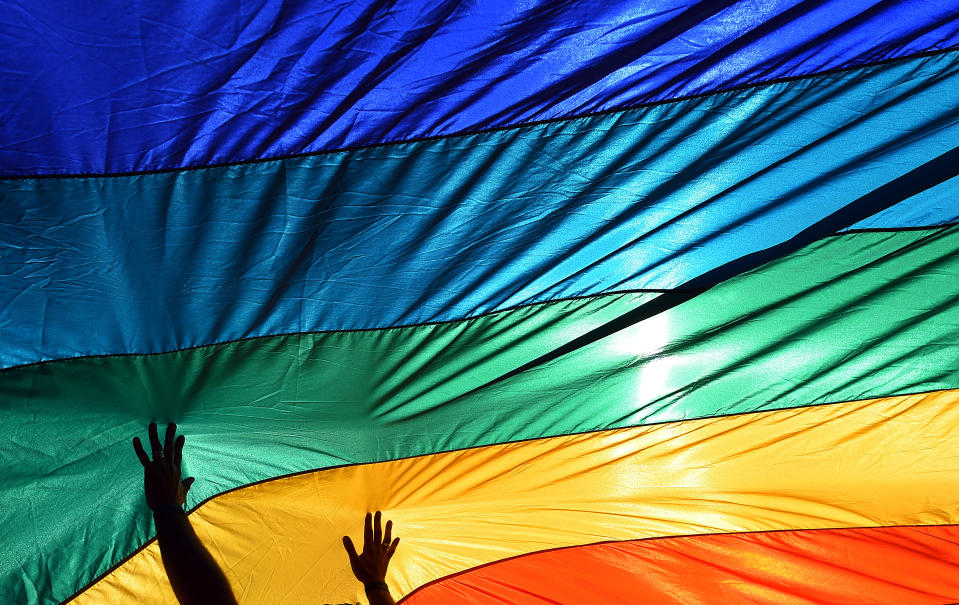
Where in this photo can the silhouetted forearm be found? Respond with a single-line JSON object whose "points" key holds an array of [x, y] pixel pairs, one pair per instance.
{"points": [[194, 575], [379, 594]]}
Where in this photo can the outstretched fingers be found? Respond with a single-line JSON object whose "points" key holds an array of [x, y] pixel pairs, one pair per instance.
{"points": [[350, 549], [368, 529], [168, 441], [141, 453], [388, 533], [178, 451], [392, 549], [171, 450], [377, 528], [155, 442]]}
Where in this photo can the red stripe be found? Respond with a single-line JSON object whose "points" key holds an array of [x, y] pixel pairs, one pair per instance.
{"points": [[902, 565]]}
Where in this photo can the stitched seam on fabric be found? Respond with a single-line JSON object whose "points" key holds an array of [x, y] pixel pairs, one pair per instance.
{"points": [[895, 229], [558, 548], [514, 442], [658, 538], [442, 322], [470, 132], [573, 434]]}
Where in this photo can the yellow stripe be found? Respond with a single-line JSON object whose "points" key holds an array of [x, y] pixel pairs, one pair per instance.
{"points": [[891, 461]]}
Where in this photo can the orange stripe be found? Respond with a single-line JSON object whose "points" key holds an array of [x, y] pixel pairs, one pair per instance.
{"points": [[903, 565]]}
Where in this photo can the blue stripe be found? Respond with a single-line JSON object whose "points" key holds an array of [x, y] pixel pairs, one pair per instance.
{"points": [[139, 86]]}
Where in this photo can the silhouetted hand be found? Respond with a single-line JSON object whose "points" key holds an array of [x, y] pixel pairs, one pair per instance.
{"points": [[194, 575], [370, 566], [161, 476]]}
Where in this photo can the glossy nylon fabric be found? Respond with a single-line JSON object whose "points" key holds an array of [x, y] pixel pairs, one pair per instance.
{"points": [[853, 316], [441, 230], [865, 566], [865, 463], [120, 87]]}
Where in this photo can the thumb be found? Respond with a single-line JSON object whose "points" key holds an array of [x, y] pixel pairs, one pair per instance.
{"points": [[350, 549], [187, 483], [392, 548]]}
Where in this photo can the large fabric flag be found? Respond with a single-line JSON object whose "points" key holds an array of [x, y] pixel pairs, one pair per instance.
{"points": [[599, 302]]}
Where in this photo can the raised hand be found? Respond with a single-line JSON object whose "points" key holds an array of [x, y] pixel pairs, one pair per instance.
{"points": [[194, 575], [369, 567], [161, 476]]}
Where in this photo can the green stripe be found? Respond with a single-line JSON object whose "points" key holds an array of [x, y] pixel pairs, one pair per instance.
{"points": [[852, 316]]}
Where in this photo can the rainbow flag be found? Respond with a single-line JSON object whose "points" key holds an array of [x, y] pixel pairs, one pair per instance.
{"points": [[600, 302]]}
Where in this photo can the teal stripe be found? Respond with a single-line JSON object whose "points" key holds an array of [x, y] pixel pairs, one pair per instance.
{"points": [[853, 316], [441, 230]]}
